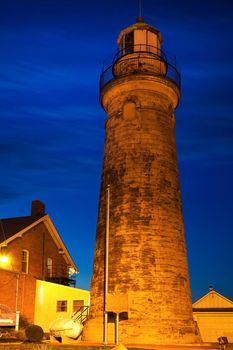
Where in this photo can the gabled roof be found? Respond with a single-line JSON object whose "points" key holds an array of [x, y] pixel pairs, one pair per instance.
{"points": [[9, 227], [213, 300], [12, 228]]}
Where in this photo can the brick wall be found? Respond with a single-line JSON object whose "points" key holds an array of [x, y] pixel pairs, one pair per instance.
{"points": [[147, 251]]}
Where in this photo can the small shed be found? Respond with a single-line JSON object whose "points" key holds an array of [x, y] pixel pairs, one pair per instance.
{"points": [[214, 315]]}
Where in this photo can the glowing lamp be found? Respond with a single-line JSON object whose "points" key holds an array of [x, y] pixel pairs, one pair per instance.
{"points": [[72, 271], [4, 259]]}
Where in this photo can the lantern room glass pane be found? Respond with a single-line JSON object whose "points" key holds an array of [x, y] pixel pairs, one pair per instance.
{"points": [[129, 42]]}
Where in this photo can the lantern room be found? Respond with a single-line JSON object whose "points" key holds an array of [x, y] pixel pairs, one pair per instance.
{"points": [[139, 51], [140, 37]]}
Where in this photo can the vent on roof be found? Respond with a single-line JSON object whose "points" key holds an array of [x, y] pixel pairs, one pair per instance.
{"points": [[38, 208]]}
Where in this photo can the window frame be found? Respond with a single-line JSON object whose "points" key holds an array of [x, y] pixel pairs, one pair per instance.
{"points": [[49, 267], [25, 261], [75, 308], [60, 307]]}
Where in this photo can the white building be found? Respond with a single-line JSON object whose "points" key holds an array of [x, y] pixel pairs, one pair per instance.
{"points": [[214, 315]]}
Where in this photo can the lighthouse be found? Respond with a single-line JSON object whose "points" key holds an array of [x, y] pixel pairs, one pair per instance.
{"points": [[140, 289]]}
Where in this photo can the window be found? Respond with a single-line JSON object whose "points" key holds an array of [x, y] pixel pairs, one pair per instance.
{"points": [[49, 267], [129, 111], [25, 260], [129, 41], [77, 304], [61, 305]]}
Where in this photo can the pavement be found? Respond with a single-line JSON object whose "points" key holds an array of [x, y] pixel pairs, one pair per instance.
{"points": [[91, 346]]}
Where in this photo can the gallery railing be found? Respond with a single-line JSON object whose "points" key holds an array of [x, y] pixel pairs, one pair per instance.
{"points": [[141, 59]]}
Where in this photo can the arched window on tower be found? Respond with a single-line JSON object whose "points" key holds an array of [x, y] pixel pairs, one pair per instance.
{"points": [[129, 110]]}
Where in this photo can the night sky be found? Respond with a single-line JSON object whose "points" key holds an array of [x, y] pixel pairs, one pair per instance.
{"points": [[52, 126]]}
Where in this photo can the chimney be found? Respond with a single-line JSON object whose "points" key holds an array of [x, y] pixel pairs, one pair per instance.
{"points": [[38, 208]]}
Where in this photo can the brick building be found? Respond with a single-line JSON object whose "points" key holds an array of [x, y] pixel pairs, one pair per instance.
{"points": [[31, 250]]}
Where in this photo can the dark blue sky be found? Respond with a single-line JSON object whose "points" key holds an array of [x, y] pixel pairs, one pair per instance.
{"points": [[52, 126]]}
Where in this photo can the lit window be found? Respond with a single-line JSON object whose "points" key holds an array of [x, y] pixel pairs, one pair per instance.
{"points": [[49, 267], [61, 305], [77, 304], [25, 260]]}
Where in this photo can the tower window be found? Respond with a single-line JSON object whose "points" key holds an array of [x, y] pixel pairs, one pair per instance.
{"points": [[25, 260], [129, 111], [129, 42], [61, 305]]}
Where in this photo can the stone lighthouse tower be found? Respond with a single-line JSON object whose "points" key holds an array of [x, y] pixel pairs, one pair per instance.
{"points": [[147, 300]]}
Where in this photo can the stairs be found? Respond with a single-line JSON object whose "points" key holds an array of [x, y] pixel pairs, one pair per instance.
{"points": [[81, 315]]}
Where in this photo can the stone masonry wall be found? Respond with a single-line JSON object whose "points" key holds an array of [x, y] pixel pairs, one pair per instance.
{"points": [[147, 251]]}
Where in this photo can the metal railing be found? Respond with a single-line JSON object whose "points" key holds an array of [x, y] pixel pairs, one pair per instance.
{"points": [[141, 59], [81, 315], [60, 274], [141, 48]]}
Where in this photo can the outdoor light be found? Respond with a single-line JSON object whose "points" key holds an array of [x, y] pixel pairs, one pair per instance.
{"points": [[72, 271], [4, 259]]}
